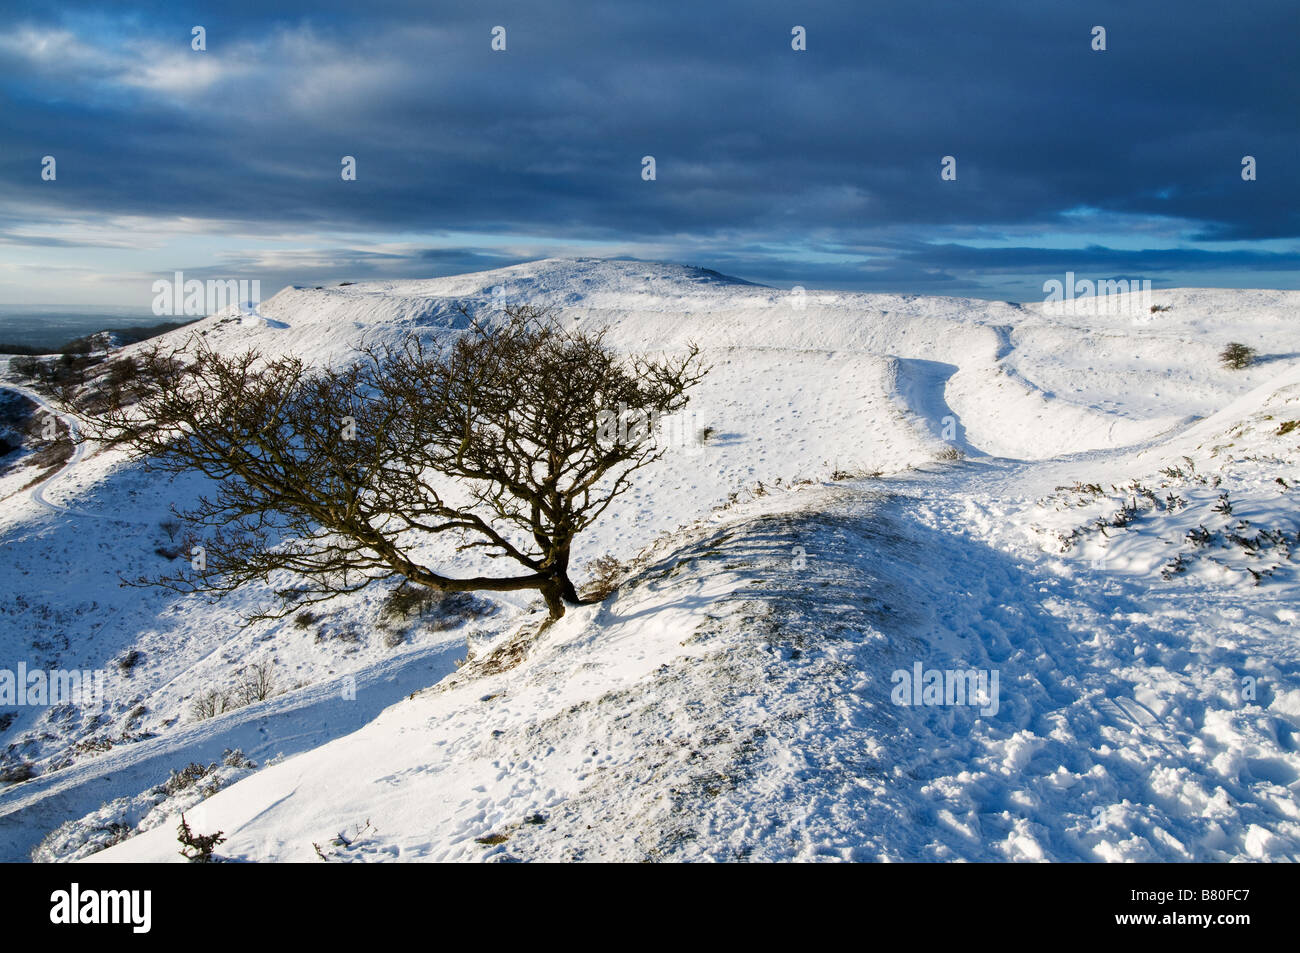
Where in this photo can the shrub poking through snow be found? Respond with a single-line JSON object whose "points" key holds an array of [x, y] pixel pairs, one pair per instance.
{"points": [[434, 610], [210, 703], [1174, 567], [1237, 356], [606, 571], [1210, 539], [186, 777], [235, 758], [344, 847], [124, 817], [406, 602], [197, 848], [258, 683], [15, 772]]}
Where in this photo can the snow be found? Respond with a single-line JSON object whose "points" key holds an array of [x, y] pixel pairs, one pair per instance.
{"points": [[733, 699]]}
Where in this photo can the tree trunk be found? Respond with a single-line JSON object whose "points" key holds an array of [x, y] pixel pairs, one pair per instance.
{"points": [[553, 593], [559, 589], [570, 593], [567, 591]]}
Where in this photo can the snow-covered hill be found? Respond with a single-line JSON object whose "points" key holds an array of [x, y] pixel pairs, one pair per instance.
{"points": [[891, 481]]}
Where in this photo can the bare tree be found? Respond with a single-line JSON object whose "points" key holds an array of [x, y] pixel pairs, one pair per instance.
{"points": [[258, 683], [329, 479]]}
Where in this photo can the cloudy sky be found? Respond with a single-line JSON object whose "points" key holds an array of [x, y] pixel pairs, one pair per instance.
{"points": [[818, 167]]}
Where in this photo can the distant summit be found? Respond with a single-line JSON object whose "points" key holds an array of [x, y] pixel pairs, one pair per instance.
{"points": [[549, 275]]}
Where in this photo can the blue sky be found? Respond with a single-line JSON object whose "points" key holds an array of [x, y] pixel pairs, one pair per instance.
{"points": [[818, 167]]}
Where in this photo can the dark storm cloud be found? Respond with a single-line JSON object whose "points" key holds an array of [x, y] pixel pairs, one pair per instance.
{"points": [[765, 153]]}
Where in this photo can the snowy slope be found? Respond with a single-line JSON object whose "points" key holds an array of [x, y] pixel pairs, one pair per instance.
{"points": [[733, 700], [731, 704]]}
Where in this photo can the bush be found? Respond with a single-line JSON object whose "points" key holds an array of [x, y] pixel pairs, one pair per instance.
{"points": [[258, 683], [406, 602], [59, 376], [1237, 356], [186, 777], [437, 611], [27, 367], [606, 572], [235, 758], [197, 848], [113, 389], [129, 661], [209, 704], [14, 773]]}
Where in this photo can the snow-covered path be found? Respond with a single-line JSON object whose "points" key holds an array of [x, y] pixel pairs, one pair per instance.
{"points": [[78, 452]]}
